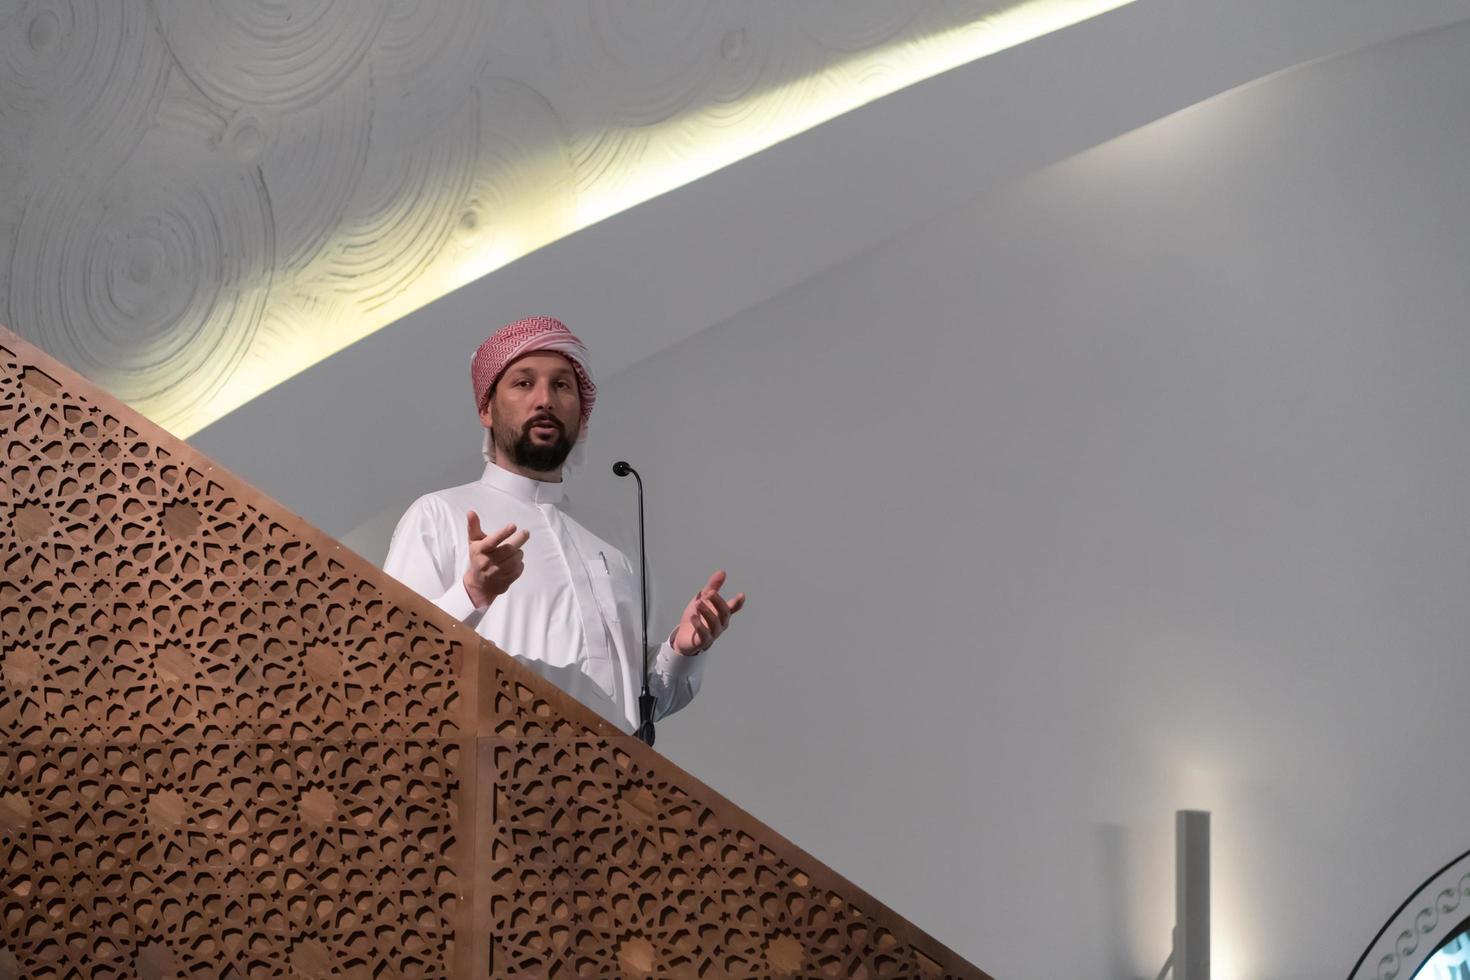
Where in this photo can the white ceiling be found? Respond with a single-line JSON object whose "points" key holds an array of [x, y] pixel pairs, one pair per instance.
{"points": [[200, 198], [370, 427]]}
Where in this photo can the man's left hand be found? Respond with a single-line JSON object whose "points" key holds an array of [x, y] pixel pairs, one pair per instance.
{"points": [[705, 618]]}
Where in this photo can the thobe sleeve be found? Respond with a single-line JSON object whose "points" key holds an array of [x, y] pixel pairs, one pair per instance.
{"points": [[422, 557], [673, 679]]}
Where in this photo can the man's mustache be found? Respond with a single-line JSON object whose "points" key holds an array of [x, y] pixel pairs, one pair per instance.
{"points": [[543, 420]]}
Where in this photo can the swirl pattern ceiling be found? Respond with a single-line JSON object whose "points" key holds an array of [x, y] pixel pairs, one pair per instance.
{"points": [[201, 198]]}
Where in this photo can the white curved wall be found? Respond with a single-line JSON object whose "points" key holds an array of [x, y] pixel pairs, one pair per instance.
{"points": [[1140, 484]]}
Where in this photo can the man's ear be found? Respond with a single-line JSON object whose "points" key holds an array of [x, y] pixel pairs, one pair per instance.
{"points": [[487, 419]]}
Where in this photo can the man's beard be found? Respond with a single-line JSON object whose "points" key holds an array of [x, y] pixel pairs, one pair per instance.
{"points": [[536, 457]]}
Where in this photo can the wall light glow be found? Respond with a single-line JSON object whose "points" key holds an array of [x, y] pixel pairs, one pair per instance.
{"points": [[1197, 785]]}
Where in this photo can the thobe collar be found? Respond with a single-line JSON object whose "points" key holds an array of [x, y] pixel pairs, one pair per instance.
{"points": [[521, 487]]}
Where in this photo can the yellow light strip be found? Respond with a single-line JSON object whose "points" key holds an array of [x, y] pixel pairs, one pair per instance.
{"points": [[941, 52]]}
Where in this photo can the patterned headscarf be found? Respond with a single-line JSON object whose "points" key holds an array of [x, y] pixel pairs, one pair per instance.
{"points": [[525, 336]]}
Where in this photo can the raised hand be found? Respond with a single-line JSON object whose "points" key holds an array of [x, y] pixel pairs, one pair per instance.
{"points": [[496, 561], [706, 617]]}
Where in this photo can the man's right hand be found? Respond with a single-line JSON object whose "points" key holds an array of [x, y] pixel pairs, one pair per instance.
{"points": [[495, 561]]}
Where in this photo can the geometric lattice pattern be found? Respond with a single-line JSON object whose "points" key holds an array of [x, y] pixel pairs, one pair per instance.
{"points": [[637, 874], [229, 748]]}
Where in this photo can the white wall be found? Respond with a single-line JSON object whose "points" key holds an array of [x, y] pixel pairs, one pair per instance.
{"points": [[659, 273], [1138, 485]]}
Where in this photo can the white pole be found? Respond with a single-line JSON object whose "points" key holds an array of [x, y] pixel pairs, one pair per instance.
{"points": [[1191, 895]]}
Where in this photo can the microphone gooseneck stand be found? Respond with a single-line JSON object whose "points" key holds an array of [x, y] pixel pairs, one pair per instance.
{"points": [[645, 700]]}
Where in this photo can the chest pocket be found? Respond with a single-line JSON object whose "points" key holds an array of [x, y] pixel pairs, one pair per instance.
{"points": [[615, 588]]}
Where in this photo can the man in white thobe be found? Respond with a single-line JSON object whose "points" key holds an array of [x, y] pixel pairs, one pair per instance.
{"points": [[539, 584]]}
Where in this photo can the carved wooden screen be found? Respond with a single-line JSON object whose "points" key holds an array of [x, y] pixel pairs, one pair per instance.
{"points": [[234, 749]]}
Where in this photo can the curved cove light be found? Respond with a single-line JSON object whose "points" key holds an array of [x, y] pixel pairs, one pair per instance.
{"points": [[206, 200]]}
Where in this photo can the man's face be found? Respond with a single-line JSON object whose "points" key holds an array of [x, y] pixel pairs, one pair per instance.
{"points": [[535, 412]]}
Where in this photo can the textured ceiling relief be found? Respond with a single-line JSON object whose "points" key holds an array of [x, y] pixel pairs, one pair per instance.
{"points": [[201, 198]]}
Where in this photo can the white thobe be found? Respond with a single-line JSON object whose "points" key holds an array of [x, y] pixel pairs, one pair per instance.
{"points": [[573, 615]]}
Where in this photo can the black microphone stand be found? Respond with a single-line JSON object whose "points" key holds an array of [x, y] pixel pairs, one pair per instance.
{"points": [[645, 700]]}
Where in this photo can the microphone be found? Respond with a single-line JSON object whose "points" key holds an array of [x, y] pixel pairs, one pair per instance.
{"points": [[646, 700]]}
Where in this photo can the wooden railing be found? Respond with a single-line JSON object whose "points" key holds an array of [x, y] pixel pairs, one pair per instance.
{"points": [[232, 748]]}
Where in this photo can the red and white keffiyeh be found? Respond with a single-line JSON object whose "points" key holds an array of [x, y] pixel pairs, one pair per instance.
{"points": [[526, 336]]}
